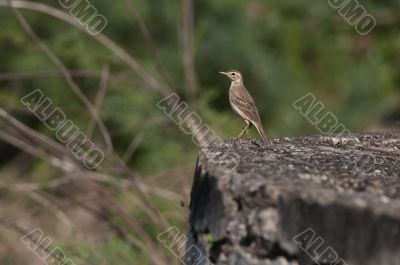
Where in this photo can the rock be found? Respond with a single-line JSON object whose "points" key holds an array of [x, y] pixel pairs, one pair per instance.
{"points": [[302, 201]]}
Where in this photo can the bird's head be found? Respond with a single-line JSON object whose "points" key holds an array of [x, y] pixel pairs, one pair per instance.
{"points": [[234, 75]]}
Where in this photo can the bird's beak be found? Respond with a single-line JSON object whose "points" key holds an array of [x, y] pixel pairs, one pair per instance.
{"points": [[223, 73]]}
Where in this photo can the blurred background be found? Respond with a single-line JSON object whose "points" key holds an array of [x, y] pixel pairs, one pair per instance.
{"points": [[148, 50]]}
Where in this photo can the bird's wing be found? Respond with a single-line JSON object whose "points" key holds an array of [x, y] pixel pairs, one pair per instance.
{"points": [[245, 103]]}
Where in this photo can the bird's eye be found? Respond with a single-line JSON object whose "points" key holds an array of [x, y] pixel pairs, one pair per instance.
{"points": [[233, 74]]}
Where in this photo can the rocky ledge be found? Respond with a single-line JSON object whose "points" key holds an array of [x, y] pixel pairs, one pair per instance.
{"points": [[301, 201]]}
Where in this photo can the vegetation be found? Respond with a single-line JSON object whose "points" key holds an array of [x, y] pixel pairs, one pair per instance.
{"points": [[285, 49]]}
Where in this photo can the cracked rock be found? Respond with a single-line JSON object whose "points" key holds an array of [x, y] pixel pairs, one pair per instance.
{"points": [[302, 201]]}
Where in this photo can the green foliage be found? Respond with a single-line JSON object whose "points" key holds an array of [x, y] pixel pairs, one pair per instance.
{"points": [[284, 48]]}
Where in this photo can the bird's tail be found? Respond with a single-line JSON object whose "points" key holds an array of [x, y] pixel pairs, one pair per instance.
{"points": [[262, 134]]}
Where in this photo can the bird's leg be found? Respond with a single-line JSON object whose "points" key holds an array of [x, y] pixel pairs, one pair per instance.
{"points": [[248, 128], [245, 130]]}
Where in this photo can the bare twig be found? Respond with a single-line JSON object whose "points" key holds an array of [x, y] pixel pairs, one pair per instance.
{"points": [[66, 165], [133, 146], [25, 232], [34, 135], [25, 186], [107, 201], [149, 41], [68, 78], [117, 50], [151, 82], [136, 140], [118, 163], [90, 196], [21, 76], [27, 148], [105, 75], [106, 198], [46, 203], [137, 183], [187, 48]]}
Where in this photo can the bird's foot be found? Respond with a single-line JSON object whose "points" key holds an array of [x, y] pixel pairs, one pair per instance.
{"points": [[237, 139], [242, 139]]}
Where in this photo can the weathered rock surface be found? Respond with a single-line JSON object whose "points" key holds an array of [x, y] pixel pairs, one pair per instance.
{"points": [[309, 200]]}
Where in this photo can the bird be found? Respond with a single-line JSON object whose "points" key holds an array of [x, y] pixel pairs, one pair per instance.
{"points": [[243, 104]]}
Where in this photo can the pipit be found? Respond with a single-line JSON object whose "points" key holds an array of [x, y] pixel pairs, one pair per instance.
{"points": [[243, 104]]}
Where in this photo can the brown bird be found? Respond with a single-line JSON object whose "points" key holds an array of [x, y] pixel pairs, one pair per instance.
{"points": [[243, 104]]}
